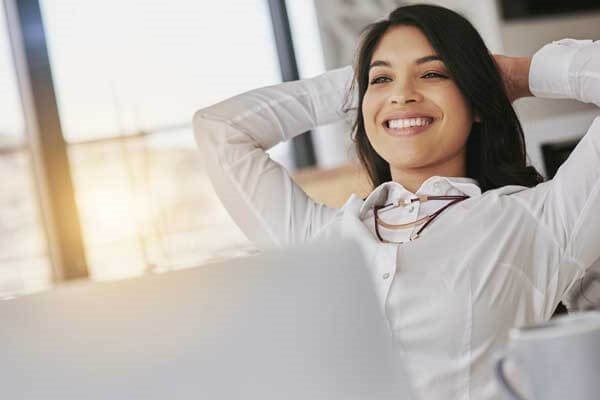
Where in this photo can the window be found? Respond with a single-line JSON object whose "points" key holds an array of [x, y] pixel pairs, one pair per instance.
{"points": [[128, 76]]}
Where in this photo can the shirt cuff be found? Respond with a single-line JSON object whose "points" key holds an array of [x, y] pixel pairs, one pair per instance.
{"points": [[550, 69]]}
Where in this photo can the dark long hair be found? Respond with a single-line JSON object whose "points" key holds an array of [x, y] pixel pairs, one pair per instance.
{"points": [[496, 154]]}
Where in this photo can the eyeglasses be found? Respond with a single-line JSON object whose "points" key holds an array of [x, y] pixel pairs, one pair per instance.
{"points": [[426, 220]]}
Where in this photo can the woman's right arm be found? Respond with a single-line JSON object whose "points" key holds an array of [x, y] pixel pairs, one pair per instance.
{"points": [[257, 192]]}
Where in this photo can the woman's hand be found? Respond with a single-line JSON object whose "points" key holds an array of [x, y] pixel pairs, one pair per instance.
{"points": [[515, 74]]}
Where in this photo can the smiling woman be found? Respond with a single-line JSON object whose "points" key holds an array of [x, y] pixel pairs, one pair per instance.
{"points": [[436, 132], [412, 65]]}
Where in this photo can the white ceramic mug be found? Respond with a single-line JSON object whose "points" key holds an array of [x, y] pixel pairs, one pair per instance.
{"points": [[559, 359]]}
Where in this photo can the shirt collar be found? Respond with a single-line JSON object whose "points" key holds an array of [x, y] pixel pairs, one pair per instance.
{"points": [[435, 185]]}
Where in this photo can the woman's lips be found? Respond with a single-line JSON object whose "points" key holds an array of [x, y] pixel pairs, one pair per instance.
{"points": [[412, 131]]}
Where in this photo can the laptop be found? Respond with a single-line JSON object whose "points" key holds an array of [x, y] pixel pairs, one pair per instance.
{"points": [[300, 323]]}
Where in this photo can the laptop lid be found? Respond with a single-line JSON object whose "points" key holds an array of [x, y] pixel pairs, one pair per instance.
{"points": [[300, 323]]}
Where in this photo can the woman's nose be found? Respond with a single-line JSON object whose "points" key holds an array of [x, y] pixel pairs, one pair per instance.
{"points": [[405, 95]]}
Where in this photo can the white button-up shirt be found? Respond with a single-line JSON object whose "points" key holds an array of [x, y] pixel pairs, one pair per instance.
{"points": [[500, 259]]}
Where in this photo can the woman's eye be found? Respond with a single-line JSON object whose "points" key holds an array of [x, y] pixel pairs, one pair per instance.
{"points": [[378, 79], [435, 74], [428, 75]]}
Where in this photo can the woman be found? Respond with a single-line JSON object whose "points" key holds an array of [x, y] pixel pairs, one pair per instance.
{"points": [[464, 240]]}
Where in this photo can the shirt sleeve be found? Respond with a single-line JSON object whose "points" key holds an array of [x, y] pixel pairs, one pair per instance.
{"points": [[568, 205], [233, 137]]}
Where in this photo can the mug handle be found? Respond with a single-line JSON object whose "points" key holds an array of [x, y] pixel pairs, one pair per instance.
{"points": [[501, 378]]}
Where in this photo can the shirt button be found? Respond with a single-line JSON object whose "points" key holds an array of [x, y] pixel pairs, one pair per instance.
{"points": [[386, 275]]}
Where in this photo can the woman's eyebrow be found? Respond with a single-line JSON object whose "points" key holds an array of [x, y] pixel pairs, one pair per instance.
{"points": [[418, 61]]}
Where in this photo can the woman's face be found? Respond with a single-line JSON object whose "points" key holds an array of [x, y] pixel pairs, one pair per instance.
{"points": [[398, 82]]}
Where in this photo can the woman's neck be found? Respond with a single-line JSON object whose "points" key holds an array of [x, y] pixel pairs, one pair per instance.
{"points": [[413, 178]]}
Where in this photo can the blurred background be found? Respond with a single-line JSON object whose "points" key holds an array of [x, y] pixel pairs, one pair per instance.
{"points": [[99, 173]]}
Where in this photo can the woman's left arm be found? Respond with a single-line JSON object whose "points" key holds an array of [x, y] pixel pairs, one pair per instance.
{"points": [[568, 206], [515, 75]]}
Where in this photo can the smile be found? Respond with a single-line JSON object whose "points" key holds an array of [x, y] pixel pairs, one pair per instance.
{"points": [[407, 127]]}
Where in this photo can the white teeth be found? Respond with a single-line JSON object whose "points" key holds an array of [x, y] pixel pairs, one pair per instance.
{"points": [[408, 122]]}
